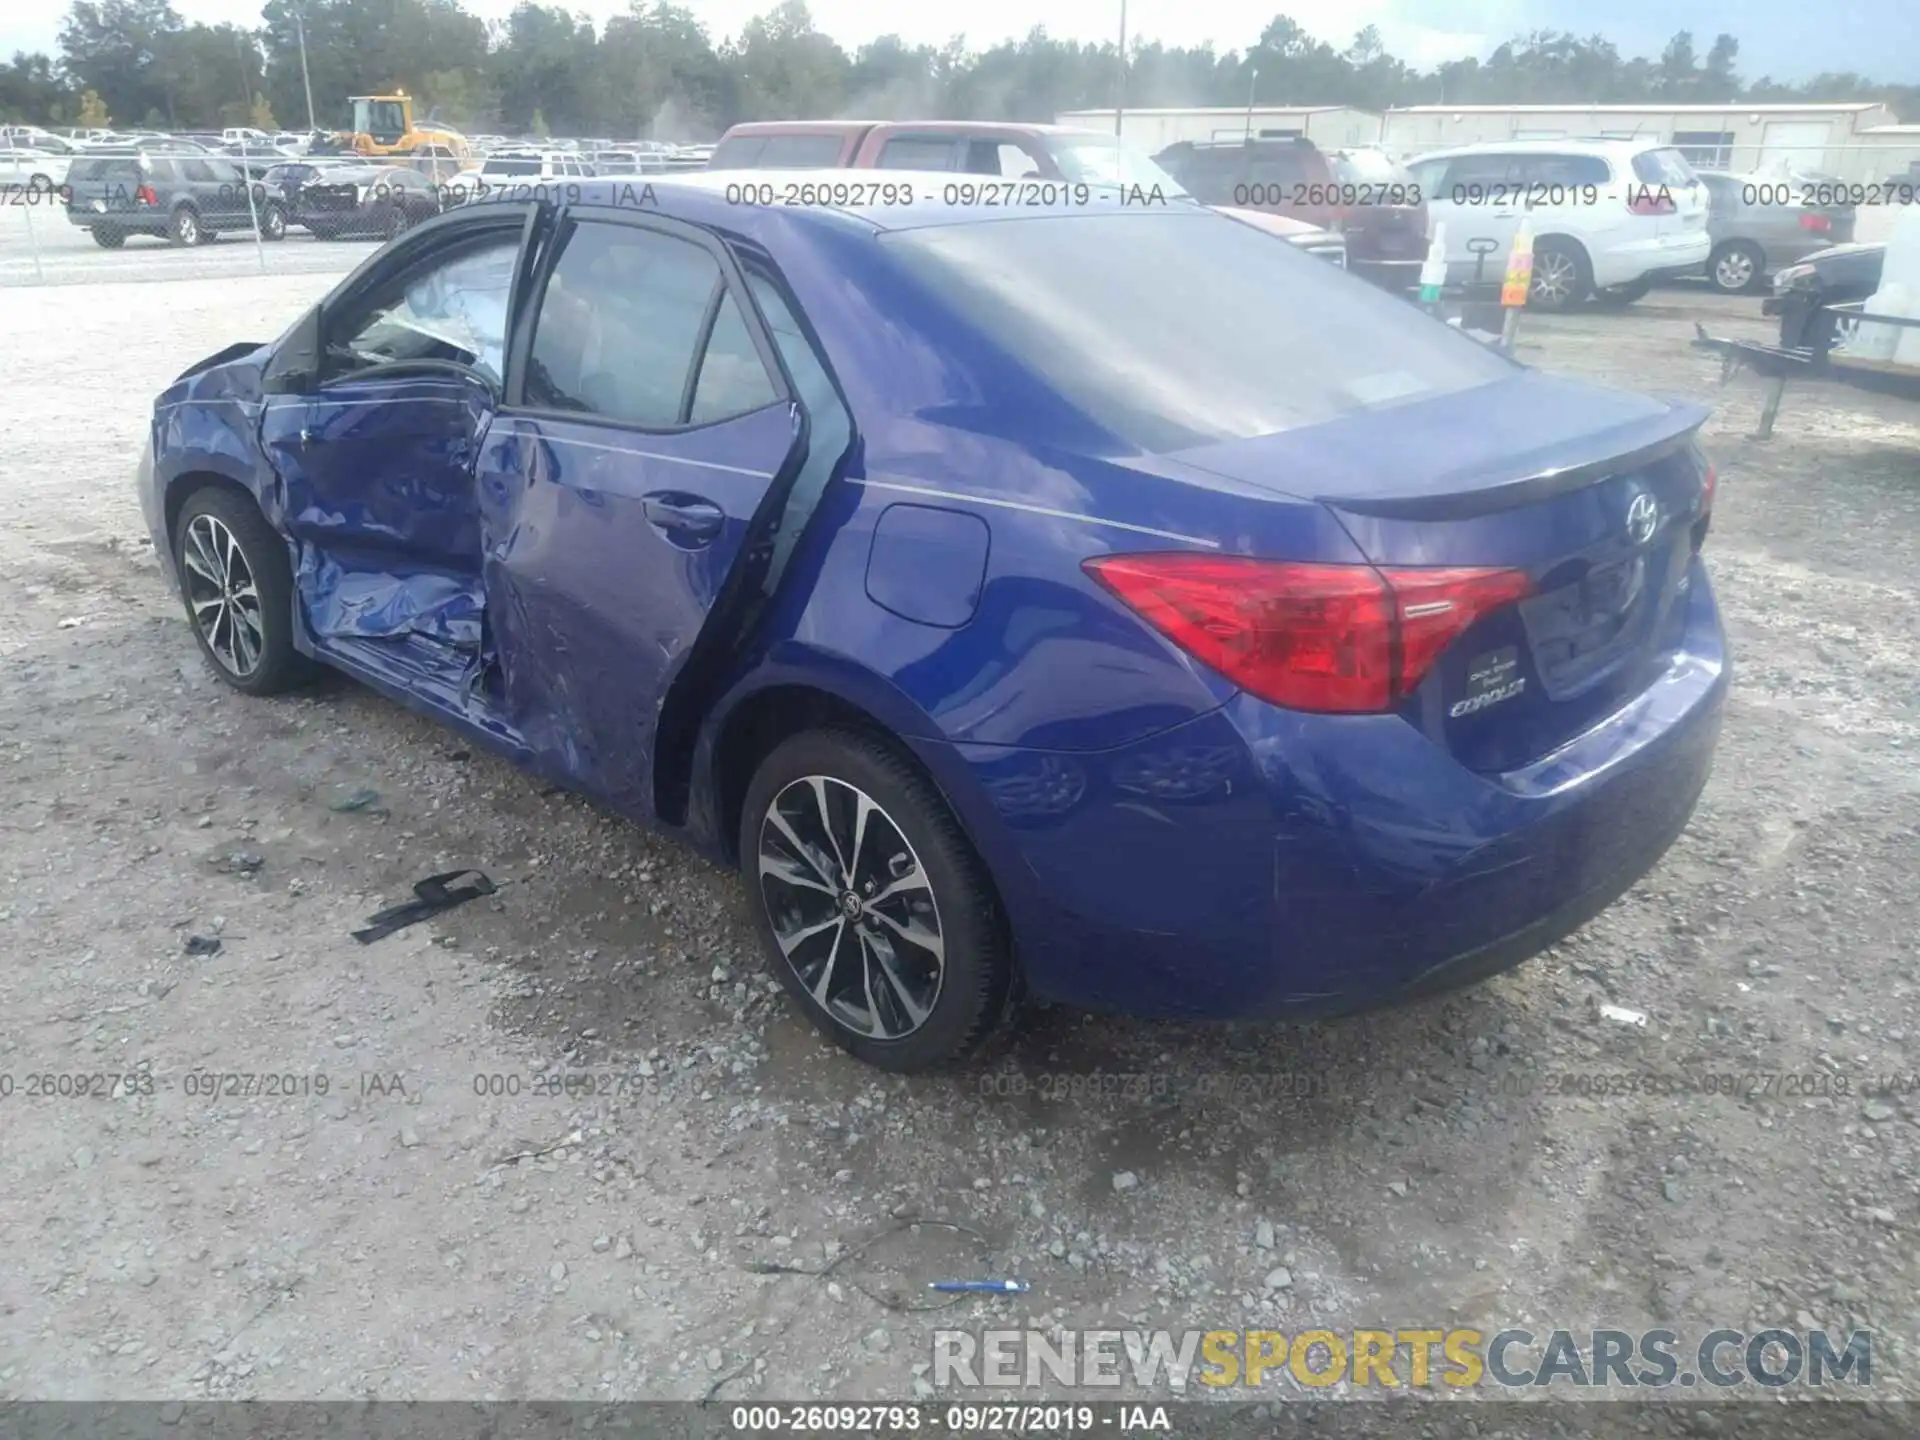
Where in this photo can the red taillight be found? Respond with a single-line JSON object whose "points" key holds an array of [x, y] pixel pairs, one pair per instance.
{"points": [[1816, 222], [1647, 203], [1346, 639], [1708, 484], [145, 196]]}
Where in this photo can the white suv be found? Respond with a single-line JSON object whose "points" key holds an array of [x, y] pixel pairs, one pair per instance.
{"points": [[1609, 216]]}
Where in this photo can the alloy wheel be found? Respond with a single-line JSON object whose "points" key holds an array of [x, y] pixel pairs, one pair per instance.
{"points": [[223, 596], [1733, 270], [1554, 275], [851, 907]]}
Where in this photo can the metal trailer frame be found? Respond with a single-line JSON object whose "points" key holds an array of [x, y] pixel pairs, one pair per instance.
{"points": [[1778, 363]]}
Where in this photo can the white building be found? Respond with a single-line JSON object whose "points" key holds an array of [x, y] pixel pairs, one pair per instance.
{"points": [[1331, 127], [1854, 141]]}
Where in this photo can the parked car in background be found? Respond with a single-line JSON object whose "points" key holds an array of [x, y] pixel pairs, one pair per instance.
{"points": [[1609, 217], [532, 165], [966, 147], [1758, 224], [32, 137], [1327, 245], [1365, 194], [1090, 601], [366, 201], [1842, 273], [187, 199], [26, 169]]}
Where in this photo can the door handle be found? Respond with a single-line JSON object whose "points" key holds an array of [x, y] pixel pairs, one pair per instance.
{"points": [[685, 518]]}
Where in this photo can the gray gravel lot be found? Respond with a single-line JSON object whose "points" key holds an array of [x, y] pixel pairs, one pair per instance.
{"points": [[440, 1224]]}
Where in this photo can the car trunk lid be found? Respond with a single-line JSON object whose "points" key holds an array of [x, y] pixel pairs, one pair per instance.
{"points": [[1598, 497]]}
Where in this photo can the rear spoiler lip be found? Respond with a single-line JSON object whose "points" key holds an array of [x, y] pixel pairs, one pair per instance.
{"points": [[1684, 422]]}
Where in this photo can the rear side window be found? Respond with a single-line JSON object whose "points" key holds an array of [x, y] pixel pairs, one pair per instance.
{"points": [[512, 165], [620, 325], [163, 172], [741, 153], [117, 168], [999, 157], [800, 152], [918, 152], [1177, 328], [732, 379], [1559, 170], [1665, 166]]}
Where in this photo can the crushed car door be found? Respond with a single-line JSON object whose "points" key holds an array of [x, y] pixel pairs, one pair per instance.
{"points": [[376, 458], [632, 490]]}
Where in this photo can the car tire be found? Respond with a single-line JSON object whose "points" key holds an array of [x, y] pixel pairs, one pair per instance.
{"points": [[237, 586], [1737, 268], [108, 238], [273, 222], [1617, 297], [937, 952], [1822, 329], [184, 227], [1562, 278], [399, 220], [41, 182]]}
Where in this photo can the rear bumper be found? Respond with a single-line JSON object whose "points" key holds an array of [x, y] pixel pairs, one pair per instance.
{"points": [[1260, 862]]}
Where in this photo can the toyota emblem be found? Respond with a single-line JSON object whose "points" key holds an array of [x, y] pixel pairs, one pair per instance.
{"points": [[1643, 518]]}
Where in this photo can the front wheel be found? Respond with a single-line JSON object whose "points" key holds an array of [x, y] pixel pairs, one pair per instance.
{"points": [[238, 589], [1561, 277], [273, 222], [872, 906]]}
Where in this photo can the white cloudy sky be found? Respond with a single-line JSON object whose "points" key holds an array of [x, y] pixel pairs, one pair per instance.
{"points": [[1230, 24], [1874, 37]]}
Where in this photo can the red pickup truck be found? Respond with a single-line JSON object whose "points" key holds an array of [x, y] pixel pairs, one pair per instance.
{"points": [[977, 147], [968, 147]]}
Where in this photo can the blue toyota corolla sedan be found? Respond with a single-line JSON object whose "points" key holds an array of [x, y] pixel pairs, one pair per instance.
{"points": [[1101, 601]]}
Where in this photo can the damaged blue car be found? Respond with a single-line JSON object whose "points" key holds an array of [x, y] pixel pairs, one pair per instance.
{"points": [[1100, 601]]}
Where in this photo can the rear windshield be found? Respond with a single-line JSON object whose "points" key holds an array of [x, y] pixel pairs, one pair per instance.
{"points": [[1663, 167], [778, 152], [116, 168], [1177, 328], [1096, 160], [1359, 167]]}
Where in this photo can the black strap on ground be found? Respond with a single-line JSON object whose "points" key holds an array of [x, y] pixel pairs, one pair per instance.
{"points": [[435, 895]]}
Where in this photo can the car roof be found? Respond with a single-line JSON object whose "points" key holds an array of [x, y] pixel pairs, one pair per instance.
{"points": [[849, 127], [1567, 146], [861, 196]]}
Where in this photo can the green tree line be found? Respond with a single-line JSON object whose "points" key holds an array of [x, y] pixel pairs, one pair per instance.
{"points": [[655, 72]]}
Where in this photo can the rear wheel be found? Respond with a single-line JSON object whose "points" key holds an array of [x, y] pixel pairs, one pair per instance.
{"points": [[184, 228], [238, 589], [1561, 276], [108, 238], [273, 222], [872, 907], [1736, 268], [399, 221]]}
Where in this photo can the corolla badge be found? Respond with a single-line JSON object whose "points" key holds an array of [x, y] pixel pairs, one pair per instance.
{"points": [[1643, 518]]}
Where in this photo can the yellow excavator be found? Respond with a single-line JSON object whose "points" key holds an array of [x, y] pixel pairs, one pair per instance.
{"points": [[383, 125]]}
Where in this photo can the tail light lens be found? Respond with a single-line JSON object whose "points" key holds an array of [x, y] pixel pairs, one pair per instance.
{"points": [[1814, 221], [1652, 205], [145, 196], [1338, 639], [1709, 483]]}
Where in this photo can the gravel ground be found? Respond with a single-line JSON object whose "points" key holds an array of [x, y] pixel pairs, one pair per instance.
{"points": [[40, 246], [439, 1225]]}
